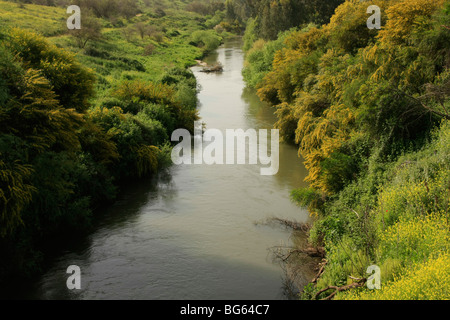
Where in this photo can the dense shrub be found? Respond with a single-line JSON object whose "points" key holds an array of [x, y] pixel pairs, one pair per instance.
{"points": [[369, 112], [60, 157], [71, 82], [207, 40]]}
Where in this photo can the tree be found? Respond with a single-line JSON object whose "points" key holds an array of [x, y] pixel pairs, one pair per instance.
{"points": [[340, 84], [16, 191], [33, 119], [280, 15], [128, 33], [91, 30], [71, 82], [145, 30]]}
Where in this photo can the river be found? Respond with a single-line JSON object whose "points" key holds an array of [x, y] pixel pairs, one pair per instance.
{"points": [[192, 232]]}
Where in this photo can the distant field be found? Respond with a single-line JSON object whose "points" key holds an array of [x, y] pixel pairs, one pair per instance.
{"points": [[48, 21], [115, 56]]}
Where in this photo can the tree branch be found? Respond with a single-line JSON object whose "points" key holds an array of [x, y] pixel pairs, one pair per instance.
{"points": [[354, 285], [443, 115], [321, 271]]}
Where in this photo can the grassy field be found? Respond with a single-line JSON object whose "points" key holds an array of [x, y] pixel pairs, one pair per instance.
{"points": [[120, 54], [48, 21]]}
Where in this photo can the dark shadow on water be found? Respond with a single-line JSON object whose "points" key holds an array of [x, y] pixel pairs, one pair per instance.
{"points": [[132, 197]]}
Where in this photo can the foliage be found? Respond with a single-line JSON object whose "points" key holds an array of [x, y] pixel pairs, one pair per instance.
{"points": [[91, 30], [48, 21], [66, 142], [337, 84], [208, 39], [368, 110], [428, 280], [307, 198], [110, 9], [15, 188], [71, 82], [272, 16], [204, 7], [404, 225], [48, 182], [181, 108], [258, 59], [145, 91]]}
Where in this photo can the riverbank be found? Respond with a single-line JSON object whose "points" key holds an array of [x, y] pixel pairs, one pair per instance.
{"points": [[105, 102], [374, 140]]}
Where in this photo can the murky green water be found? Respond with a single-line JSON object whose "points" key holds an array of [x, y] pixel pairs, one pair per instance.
{"points": [[191, 233]]}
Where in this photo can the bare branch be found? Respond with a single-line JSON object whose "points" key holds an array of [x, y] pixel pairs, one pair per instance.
{"points": [[420, 102], [321, 271], [336, 289]]}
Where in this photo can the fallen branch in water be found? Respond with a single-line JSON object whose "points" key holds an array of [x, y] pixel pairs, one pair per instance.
{"points": [[321, 271], [296, 226], [318, 252]]}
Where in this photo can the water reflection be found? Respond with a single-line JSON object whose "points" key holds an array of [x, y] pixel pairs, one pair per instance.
{"points": [[292, 171]]}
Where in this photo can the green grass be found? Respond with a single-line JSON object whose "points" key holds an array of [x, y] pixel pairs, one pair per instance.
{"points": [[114, 57], [406, 225], [48, 21]]}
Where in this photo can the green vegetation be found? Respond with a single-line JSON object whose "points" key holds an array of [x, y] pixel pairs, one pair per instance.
{"points": [[369, 110], [272, 16], [48, 21], [85, 111]]}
